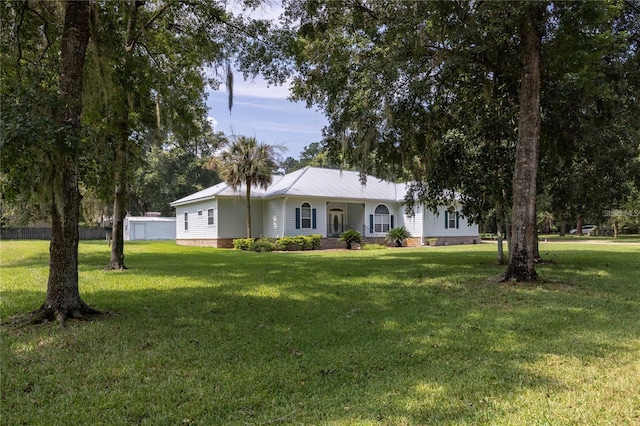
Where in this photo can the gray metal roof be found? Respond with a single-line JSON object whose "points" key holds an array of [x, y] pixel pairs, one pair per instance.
{"points": [[312, 182], [329, 183]]}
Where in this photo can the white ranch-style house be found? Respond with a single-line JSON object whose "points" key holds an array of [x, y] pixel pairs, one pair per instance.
{"points": [[315, 201]]}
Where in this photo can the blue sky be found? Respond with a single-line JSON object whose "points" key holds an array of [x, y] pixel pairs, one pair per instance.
{"points": [[265, 113]]}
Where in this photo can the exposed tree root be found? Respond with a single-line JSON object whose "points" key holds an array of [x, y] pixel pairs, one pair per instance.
{"points": [[518, 276], [62, 315], [115, 267]]}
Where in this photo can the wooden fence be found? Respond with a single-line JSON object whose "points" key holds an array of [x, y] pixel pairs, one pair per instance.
{"points": [[45, 233]]}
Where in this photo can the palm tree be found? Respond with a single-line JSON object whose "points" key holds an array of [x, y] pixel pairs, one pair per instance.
{"points": [[250, 163]]}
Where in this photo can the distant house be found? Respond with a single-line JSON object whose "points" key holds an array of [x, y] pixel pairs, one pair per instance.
{"points": [[315, 201], [149, 228]]}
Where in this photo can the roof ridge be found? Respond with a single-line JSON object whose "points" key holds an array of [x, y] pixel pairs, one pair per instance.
{"points": [[304, 170]]}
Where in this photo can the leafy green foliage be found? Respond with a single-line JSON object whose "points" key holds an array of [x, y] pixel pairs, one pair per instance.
{"points": [[245, 244], [591, 131], [398, 235], [29, 101], [430, 91], [314, 155], [351, 237], [248, 163], [170, 173], [265, 244]]}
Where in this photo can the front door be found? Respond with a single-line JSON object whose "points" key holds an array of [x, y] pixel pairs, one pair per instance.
{"points": [[336, 222]]}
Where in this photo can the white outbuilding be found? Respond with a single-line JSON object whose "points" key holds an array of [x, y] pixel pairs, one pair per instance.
{"points": [[149, 228]]}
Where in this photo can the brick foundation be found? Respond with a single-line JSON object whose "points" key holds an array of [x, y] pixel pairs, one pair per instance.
{"points": [[335, 243], [211, 242], [451, 241]]}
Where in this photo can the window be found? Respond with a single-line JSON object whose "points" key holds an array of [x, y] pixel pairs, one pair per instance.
{"points": [[305, 216], [186, 221], [210, 216], [199, 212], [451, 220], [381, 219]]}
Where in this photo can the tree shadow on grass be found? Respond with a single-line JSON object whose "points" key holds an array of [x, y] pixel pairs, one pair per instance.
{"points": [[318, 339], [401, 336]]}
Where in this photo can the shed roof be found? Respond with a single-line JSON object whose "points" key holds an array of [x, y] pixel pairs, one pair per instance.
{"points": [[150, 219]]}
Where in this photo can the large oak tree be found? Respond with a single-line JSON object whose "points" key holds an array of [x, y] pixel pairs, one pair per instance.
{"points": [[406, 85], [59, 144]]}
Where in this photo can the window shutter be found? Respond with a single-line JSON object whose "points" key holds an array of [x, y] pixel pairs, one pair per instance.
{"points": [[446, 220], [297, 217], [457, 220], [371, 223], [392, 222], [313, 218]]}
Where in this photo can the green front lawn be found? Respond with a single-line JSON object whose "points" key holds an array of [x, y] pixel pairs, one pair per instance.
{"points": [[396, 336]]}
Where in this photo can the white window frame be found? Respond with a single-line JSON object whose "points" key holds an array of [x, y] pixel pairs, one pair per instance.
{"points": [[453, 218], [305, 216], [210, 217], [381, 221], [186, 221]]}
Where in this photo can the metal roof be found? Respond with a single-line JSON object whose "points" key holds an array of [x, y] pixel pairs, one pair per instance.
{"points": [[312, 182]]}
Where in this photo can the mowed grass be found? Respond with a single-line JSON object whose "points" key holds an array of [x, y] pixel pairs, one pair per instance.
{"points": [[203, 336]]}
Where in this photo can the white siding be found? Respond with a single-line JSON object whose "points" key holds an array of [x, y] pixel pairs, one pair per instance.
{"points": [[434, 226], [414, 224], [273, 224], [199, 227], [140, 228], [233, 218], [290, 216]]}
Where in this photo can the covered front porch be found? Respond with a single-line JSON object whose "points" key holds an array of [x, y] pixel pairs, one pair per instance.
{"points": [[344, 215]]}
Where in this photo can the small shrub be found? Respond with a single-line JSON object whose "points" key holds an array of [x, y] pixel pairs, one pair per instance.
{"points": [[288, 244], [311, 242], [398, 235], [351, 237], [245, 244], [264, 244]]}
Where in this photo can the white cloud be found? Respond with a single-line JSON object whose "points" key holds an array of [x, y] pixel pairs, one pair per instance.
{"points": [[259, 88]]}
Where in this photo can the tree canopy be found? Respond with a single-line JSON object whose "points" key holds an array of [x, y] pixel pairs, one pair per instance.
{"points": [[246, 164], [434, 90]]}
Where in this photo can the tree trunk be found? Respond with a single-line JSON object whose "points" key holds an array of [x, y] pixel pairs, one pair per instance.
{"points": [[120, 196], [579, 226], [248, 209], [536, 247], [500, 226], [523, 226], [63, 296], [563, 228]]}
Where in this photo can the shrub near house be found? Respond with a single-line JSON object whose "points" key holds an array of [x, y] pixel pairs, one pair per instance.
{"points": [[265, 244]]}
